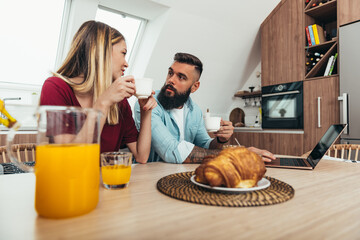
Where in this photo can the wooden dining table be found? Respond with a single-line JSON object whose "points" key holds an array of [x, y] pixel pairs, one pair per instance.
{"points": [[326, 205]]}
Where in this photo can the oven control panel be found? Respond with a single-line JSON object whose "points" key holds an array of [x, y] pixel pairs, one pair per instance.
{"points": [[282, 87]]}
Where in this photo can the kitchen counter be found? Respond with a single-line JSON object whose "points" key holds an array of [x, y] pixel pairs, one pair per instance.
{"points": [[21, 137], [6, 131], [260, 130]]}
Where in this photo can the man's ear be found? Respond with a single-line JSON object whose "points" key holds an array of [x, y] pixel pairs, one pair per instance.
{"points": [[195, 86]]}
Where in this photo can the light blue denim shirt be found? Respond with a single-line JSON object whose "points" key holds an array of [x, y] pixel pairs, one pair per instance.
{"points": [[165, 135]]}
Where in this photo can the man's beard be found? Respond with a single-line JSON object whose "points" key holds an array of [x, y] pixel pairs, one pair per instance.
{"points": [[170, 102]]}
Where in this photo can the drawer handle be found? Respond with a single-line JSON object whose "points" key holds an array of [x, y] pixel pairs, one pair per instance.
{"points": [[319, 111]]}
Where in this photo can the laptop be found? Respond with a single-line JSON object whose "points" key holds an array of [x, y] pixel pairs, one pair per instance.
{"points": [[309, 163]]}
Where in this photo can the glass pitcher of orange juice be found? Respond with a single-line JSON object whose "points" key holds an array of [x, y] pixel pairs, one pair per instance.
{"points": [[67, 160]]}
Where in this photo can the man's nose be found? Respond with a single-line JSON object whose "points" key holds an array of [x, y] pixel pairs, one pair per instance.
{"points": [[172, 80]]}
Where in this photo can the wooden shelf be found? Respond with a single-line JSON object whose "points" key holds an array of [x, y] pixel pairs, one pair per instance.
{"points": [[322, 46], [244, 95], [322, 77], [319, 69], [323, 13]]}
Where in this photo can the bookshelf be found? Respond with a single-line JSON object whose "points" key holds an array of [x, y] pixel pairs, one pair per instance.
{"points": [[325, 16]]}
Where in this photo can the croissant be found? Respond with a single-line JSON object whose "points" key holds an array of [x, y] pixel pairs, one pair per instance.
{"points": [[233, 168]]}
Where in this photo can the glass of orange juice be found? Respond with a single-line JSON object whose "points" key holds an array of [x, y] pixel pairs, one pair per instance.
{"points": [[116, 169]]}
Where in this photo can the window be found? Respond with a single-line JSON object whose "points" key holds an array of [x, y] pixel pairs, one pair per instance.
{"points": [[29, 40], [131, 27]]}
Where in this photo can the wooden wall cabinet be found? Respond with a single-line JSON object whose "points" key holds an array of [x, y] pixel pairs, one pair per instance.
{"points": [[321, 108], [19, 138], [349, 11], [282, 41], [277, 143]]}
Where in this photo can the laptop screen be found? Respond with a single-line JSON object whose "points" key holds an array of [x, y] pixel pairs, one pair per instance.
{"points": [[325, 143]]}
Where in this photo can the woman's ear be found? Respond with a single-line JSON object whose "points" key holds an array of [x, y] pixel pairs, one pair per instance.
{"points": [[195, 86]]}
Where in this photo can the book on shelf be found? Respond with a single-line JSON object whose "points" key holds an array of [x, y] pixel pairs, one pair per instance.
{"points": [[318, 34], [328, 66], [311, 32], [332, 65], [308, 36]]}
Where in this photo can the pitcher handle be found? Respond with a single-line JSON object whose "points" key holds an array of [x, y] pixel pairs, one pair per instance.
{"points": [[13, 157]]}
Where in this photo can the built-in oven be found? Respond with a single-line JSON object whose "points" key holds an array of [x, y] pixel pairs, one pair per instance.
{"points": [[282, 106]]}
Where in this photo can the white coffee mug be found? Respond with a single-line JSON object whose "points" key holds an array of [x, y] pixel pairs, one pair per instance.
{"points": [[212, 124], [143, 87]]}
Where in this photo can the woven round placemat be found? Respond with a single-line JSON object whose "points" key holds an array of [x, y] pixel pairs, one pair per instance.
{"points": [[179, 186]]}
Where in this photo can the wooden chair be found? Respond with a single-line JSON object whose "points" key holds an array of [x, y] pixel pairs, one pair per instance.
{"points": [[344, 151], [3, 154], [25, 152]]}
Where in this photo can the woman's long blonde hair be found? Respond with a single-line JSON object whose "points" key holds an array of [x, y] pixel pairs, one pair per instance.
{"points": [[90, 56]]}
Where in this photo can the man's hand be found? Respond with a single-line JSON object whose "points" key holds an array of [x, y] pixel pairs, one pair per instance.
{"points": [[198, 154], [225, 132], [148, 103], [266, 155]]}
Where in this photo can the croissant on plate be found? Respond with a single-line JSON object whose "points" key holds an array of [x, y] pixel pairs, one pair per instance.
{"points": [[233, 168]]}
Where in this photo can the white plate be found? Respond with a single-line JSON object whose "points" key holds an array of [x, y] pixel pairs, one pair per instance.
{"points": [[262, 184]]}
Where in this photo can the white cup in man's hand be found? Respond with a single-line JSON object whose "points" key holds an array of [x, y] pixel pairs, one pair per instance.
{"points": [[212, 124], [143, 87]]}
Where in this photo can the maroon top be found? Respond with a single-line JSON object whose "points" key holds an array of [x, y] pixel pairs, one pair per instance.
{"points": [[56, 91]]}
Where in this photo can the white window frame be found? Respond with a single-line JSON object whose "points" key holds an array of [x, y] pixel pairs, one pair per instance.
{"points": [[138, 38], [60, 54]]}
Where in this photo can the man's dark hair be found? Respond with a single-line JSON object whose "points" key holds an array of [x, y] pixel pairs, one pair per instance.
{"points": [[189, 59]]}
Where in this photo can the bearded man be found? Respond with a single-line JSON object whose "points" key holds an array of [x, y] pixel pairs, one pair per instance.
{"points": [[178, 130]]}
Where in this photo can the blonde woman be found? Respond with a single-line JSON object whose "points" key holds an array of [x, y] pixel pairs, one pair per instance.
{"points": [[92, 76]]}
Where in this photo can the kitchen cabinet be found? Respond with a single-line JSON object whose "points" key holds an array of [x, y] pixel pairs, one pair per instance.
{"points": [[277, 143], [282, 42], [284, 50], [19, 138], [349, 11], [321, 108]]}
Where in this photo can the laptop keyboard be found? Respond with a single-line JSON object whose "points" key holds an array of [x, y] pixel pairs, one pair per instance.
{"points": [[292, 162]]}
